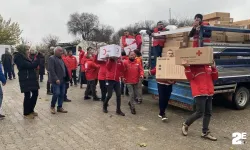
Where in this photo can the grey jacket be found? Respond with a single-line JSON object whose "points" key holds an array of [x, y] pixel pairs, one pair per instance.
{"points": [[57, 70]]}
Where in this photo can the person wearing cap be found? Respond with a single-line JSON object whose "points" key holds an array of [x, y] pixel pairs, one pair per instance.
{"points": [[158, 41], [198, 21]]}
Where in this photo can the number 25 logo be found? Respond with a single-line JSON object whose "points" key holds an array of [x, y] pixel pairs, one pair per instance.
{"points": [[238, 138]]}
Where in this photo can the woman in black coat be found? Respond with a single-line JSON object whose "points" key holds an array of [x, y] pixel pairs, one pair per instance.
{"points": [[27, 79], [41, 59]]}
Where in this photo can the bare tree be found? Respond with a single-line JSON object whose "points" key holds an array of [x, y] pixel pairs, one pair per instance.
{"points": [[50, 40], [83, 24], [103, 33]]}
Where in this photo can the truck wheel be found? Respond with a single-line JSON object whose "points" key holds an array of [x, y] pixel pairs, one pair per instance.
{"points": [[241, 98]]}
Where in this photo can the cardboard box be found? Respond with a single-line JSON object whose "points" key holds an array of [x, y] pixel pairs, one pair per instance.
{"points": [[129, 41], [130, 48], [178, 44], [110, 50], [194, 56], [235, 38], [184, 38], [183, 34], [242, 22], [218, 38], [166, 49], [167, 70], [216, 15]]}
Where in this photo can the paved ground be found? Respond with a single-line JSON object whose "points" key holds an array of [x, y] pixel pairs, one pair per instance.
{"points": [[86, 127]]}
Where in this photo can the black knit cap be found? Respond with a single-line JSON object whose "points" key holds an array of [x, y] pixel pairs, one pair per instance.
{"points": [[198, 16]]}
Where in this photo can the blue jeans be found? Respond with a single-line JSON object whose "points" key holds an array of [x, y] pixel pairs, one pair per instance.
{"points": [[58, 94], [157, 52], [1, 96]]}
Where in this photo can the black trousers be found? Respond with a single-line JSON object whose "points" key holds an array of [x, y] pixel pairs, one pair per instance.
{"points": [[164, 96], [29, 103], [203, 108], [91, 88], [73, 77], [66, 91], [83, 78], [113, 86], [8, 72], [103, 88], [13, 71], [49, 86]]}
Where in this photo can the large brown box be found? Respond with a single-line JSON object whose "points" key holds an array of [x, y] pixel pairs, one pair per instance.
{"points": [[242, 22], [216, 15], [218, 38], [177, 35], [173, 43], [167, 70], [194, 56]]}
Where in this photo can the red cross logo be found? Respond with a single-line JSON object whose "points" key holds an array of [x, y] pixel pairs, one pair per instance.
{"points": [[198, 53]]}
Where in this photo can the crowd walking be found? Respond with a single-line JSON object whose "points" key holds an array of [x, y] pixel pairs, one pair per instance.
{"points": [[119, 75]]}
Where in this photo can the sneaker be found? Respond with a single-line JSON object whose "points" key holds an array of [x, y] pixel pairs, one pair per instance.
{"points": [[61, 110], [96, 99], [2, 117], [209, 136], [87, 97], [120, 113], [184, 129], [30, 116], [35, 114], [49, 93], [67, 100], [53, 110], [163, 117], [105, 109]]}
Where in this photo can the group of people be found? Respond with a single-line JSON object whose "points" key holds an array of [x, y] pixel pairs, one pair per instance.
{"points": [[113, 74]]}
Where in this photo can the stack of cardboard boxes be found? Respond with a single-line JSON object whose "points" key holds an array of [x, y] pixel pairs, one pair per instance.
{"points": [[222, 19]]}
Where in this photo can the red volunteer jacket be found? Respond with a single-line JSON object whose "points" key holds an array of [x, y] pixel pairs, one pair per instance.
{"points": [[153, 72], [114, 70], [124, 44], [201, 79], [83, 60], [91, 69], [102, 70], [132, 72], [196, 37], [72, 62], [160, 40], [138, 41], [66, 62], [81, 55], [124, 58]]}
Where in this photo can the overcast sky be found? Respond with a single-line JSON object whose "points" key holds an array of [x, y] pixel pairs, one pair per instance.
{"points": [[38, 18]]}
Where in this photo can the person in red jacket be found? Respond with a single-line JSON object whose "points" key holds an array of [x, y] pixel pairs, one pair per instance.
{"points": [[73, 66], [102, 78], [82, 64], [127, 39], [67, 64], [133, 73], [138, 40], [91, 72], [123, 86], [164, 91], [158, 42], [114, 69], [81, 55], [201, 78], [196, 29]]}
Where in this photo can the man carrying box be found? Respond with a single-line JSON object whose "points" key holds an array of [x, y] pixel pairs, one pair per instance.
{"points": [[196, 29], [127, 39], [164, 90]]}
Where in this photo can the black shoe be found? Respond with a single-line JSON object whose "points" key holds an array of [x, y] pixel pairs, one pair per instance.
{"points": [[133, 111], [67, 100], [105, 109], [71, 84], [96, 99], [10, 79], [2, 117], [139, 101], [49, 93], [87, 98], [119, 112], [14, 78], [80, 86], [127, 94], [41, 80]]}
